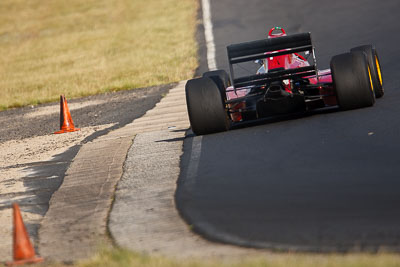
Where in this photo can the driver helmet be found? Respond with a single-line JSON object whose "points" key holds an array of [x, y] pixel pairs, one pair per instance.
{"points": [[276, 32]]}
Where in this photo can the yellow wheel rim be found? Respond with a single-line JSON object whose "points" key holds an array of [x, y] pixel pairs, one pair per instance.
{"points": [[370, 79], [378, 68]]}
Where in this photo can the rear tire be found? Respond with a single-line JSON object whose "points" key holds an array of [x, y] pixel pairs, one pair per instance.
{"points": [[206, 107], [221, 79], [352, 81], [376, 74]]}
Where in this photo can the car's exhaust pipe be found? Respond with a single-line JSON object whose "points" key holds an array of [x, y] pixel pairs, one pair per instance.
{"points": [[278, 101], [275, 90]]}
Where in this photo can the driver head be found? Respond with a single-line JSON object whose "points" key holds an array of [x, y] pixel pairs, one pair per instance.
{"points": [[276, 32]]}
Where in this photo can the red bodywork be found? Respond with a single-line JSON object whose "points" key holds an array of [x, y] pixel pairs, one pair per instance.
{"points": [[288, 61]]}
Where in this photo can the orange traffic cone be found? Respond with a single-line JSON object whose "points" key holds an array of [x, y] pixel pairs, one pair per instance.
{"points": [[23, 250], [66, 123]]}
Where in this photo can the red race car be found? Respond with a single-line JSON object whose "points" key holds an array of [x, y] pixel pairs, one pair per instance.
{"points": [[284, 83]]}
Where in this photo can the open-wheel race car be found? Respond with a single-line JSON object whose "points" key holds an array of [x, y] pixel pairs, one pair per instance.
{"points": [[286, 82]]}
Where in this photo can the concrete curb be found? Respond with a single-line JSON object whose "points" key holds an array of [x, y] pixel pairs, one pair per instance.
{"points": [[144, 217], [76, 222]]}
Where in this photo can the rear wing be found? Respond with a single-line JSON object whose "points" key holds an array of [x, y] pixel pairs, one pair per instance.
{"points": [[250, 51]]}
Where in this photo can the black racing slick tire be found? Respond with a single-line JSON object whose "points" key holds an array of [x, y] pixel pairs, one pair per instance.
{"points": [[352, 80], [221, 79], [374, 63], [206, 107]]}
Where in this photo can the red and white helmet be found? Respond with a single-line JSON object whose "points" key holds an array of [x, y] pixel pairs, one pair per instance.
{"points": [[276, 32]]}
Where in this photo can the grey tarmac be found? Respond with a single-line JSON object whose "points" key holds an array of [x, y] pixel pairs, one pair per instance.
{"points": [[324, 182]]}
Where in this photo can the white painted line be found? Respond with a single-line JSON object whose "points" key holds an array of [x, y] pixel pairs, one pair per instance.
{"points": [[208, 32]]}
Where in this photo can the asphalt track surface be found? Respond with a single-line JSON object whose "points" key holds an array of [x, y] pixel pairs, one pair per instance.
{"points": [[325, 182]]}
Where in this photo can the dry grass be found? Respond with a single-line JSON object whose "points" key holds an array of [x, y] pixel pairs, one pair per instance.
{"points": [[78, 48], [119, 257]]}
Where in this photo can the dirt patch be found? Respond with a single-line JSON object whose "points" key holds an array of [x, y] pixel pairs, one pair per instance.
{"points": [[17, 159]]}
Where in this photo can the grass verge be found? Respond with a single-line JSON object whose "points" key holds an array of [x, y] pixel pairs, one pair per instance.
{"points": [[79, 48], [124, 258]]}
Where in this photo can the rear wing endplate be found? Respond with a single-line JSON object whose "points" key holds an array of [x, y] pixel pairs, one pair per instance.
{"points": [[261, 49]]}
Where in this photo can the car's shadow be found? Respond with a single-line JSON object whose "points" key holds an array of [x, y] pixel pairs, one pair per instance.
{"points": [[284, 117]]}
